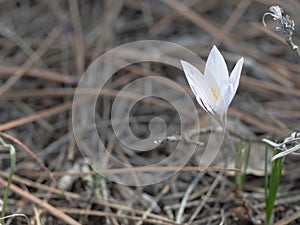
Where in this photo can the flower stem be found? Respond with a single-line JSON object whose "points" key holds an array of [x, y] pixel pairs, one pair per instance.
{"points": [[227, 134], [222, 121]]}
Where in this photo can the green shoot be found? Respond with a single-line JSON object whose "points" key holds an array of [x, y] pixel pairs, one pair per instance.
{"points": [[245, 165], [12, 153], [271, 184], [242, 163]]}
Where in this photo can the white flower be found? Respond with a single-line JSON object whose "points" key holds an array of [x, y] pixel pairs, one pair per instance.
{"points": [[214, 90], [290, 145]]}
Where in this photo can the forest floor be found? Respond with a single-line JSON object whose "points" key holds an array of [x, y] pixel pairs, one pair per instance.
{"points": [[67, 174]]}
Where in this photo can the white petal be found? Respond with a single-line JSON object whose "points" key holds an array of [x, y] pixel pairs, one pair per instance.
{"points": [[191, 73], [273, 144], [199, 86], [221, 105], [229, 90], [286, 152], [235, 75], [235, 78], [216, 68]]}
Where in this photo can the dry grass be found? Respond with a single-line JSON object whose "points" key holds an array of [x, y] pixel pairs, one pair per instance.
{"points": [[45, 46]]}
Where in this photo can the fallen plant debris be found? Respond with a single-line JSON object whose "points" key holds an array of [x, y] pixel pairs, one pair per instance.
{"points": [[46, 47]]}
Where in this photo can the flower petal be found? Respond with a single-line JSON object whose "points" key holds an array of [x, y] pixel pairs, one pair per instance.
{"points": [[199, 86], [222, 104], [286, 152], [216, 68], [229, 89], [235, 78]]}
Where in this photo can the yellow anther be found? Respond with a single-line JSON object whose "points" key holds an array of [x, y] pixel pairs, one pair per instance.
{"points": [[214, 91]]}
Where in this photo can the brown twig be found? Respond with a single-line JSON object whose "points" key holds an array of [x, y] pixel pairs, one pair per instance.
{"points": [[39, 115], [54, 211], [38, 73], [32, 60], [26, 149], [78, 37]]}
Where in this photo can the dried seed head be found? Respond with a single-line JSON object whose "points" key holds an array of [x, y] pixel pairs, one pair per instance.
{"points": [[290, 145], [276, 12], [286, 25]]}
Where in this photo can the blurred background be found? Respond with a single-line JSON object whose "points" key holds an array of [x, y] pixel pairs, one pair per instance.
{"points": [[45, 48]]}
